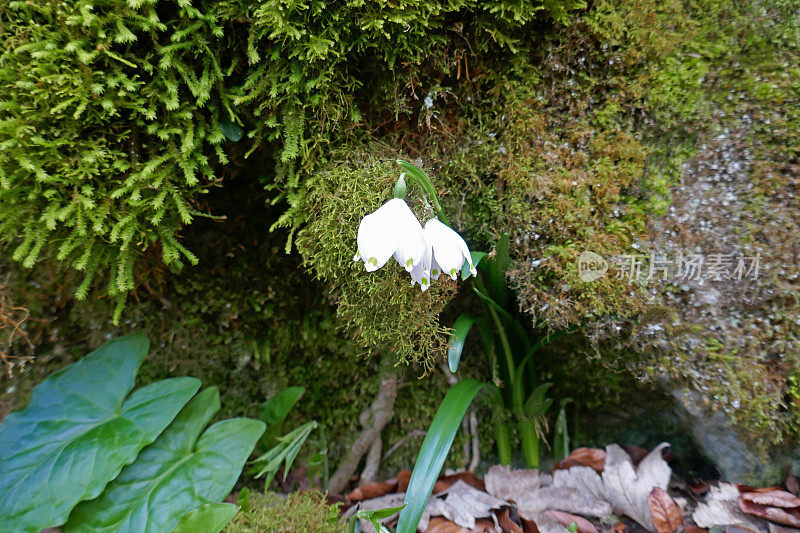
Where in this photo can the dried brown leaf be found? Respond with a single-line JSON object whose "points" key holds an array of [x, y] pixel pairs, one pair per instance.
{"points": [[445, 482], [788, 517], [461, 503], [591, 457], [506, 523], [666, 514], [443, 525], [721, 508], [565, 519], [403, 477], [373, 490], [772, 497]]}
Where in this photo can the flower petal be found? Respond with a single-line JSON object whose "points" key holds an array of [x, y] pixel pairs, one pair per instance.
{"points": [[411, 249], [447, 251], [376, 239]]}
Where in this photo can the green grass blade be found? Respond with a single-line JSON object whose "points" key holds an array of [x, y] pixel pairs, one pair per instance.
{"points": [[434, 451]]}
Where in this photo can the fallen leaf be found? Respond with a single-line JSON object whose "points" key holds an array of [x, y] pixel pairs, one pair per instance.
{"points": [[529, 526], [582, 490], [738, 529], [442, 525], [444, 482], [772, 497], [788, 517], [665, 512], [628, 488], [721, 508], [534, 493], [504, 483], [373, 490], [591, 457], [775, 528], [462, 504], [619, 527], [506, 523], [403, 477], [565, 519]]}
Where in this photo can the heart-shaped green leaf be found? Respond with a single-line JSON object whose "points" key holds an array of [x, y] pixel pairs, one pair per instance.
{"points": [[208, 518], [175, 474], [77, 434]]}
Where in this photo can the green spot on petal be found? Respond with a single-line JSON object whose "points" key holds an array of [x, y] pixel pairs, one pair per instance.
{"points": [[373, 261]]}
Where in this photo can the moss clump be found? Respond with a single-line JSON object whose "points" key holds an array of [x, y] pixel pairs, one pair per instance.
{"points": [[381, 308], [110, 125], [298, 511]]}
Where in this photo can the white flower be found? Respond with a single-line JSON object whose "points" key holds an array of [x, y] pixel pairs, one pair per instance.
{"points": [[446, 251], [391, 230]]}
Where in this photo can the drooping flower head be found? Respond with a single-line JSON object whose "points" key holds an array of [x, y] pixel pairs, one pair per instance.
{"points": [[391, 230], [446, 251]]}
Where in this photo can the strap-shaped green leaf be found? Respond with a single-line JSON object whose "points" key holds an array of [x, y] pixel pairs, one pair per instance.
{"points": [[461, 328], [208, 518], [175, 474], [477, 257], [76, 433], [434, 451]]}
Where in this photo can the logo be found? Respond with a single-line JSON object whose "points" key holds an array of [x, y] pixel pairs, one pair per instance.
{"points": [[591, 266]]}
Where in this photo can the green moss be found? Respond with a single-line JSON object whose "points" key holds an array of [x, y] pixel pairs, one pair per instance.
{"points": [[298, 511], [381, 309]]}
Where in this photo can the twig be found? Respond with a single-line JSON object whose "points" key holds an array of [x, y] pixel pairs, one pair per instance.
{"points": [[373, 462], [476, 444], [379, 412]]}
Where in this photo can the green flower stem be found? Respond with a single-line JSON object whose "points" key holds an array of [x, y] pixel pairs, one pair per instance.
{"points": [[501, 331], [425, 184], [503, 439], [530, 441]]}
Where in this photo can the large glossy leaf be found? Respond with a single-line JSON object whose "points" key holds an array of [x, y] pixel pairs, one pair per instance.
{"points": [[208, 518], [174, 475], [78, 432], [434, 451]]}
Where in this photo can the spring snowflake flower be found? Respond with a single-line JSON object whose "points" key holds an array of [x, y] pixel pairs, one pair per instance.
{"points": [[446, 251], [391, 230]]}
